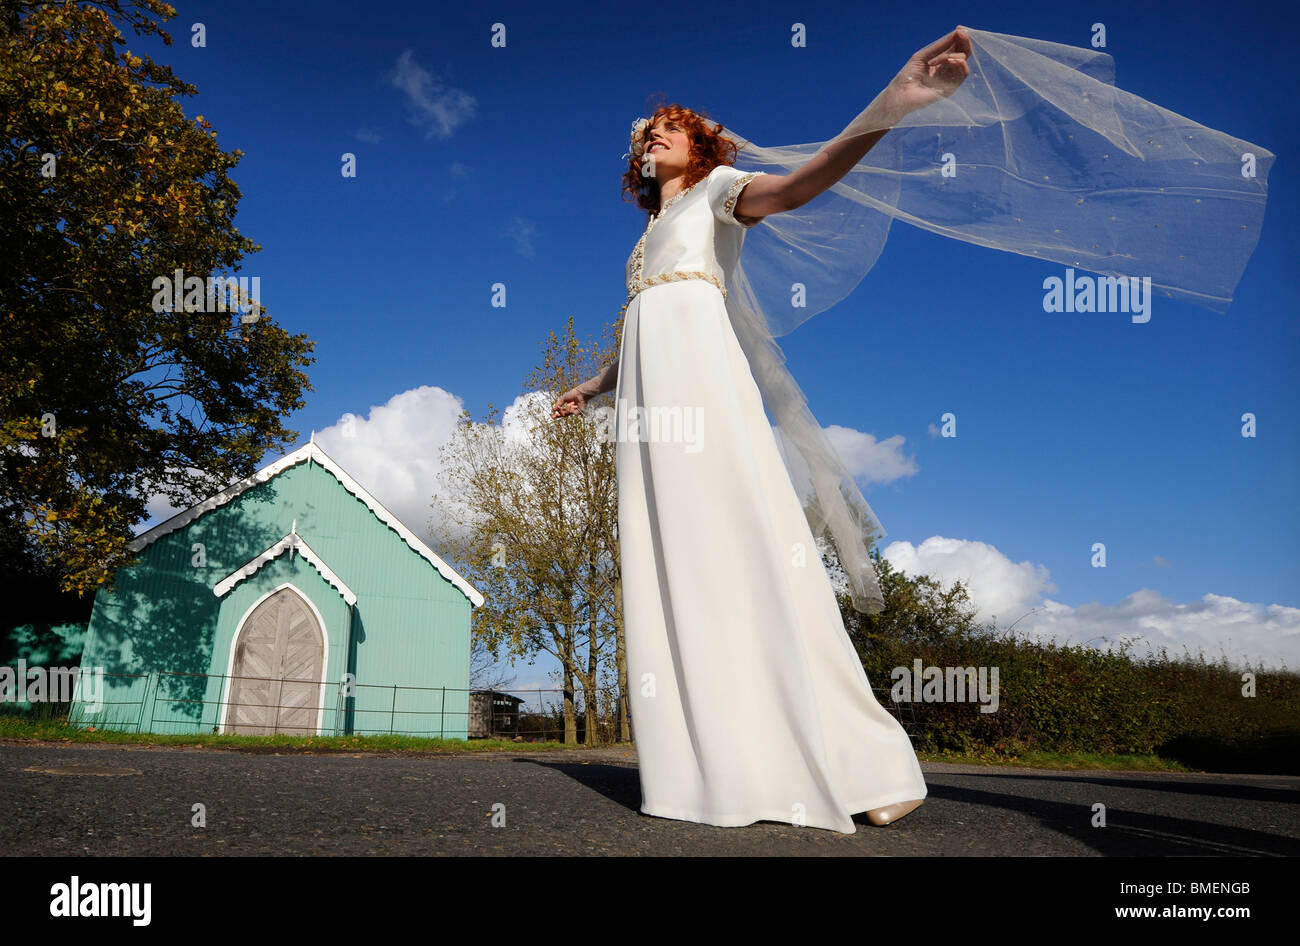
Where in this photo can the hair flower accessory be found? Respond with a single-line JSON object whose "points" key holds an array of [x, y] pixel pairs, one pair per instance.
{"points": [[637, 143]]}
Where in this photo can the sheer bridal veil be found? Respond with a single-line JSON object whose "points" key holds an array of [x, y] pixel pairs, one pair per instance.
{"points": [[1037, 153]]}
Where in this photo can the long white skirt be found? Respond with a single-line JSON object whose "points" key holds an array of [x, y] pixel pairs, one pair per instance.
{"points": [[748, 700]]}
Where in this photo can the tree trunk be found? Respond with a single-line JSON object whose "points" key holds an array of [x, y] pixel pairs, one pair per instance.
{"points": [[620, 645], [591, 687], [570, 722]]}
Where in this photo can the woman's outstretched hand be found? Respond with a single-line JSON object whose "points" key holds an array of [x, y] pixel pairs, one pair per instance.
{"points": [[571, 403], [932, 73]]}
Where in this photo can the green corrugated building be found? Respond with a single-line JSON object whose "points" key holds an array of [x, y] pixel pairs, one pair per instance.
{"points": [[248, 612]]}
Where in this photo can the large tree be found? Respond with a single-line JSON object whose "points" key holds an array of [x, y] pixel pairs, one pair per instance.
{"points": [[529, 516], [107, 397]]}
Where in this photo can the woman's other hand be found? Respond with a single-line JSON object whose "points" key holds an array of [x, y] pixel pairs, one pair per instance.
{"points": [[571, 403]]}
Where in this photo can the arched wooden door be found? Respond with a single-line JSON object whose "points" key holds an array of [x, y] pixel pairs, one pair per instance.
{"points": [[275, 680]]}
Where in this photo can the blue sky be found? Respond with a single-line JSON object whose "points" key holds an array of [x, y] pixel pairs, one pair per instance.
{"points": [[489, 165]]}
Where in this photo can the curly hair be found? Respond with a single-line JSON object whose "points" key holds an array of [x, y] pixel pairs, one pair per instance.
{"points": [[708, 149]]}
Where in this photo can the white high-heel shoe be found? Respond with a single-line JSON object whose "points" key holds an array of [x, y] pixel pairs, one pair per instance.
{"points": [[891, 813]]}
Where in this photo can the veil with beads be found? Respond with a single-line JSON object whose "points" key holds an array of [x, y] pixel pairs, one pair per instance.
{"points": [[1037, 153]]}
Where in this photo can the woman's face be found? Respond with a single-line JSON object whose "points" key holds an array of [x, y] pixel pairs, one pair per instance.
{"points": [[668, 148]]}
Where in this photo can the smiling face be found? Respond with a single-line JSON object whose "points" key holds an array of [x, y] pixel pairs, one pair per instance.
{"points": [[669, 148]]}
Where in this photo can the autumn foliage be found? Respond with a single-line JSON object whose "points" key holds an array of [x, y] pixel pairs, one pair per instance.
{"points": [[105, 185]]}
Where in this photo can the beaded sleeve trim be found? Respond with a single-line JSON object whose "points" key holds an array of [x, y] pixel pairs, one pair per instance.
{"points": [[733, 195]]}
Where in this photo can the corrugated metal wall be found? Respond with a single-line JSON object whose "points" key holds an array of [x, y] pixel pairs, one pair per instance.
{"points": [[409, 628]]}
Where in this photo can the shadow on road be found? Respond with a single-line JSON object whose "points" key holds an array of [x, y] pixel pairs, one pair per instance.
{"points": [[1128, 832], [1180, 784], [618, 783]]}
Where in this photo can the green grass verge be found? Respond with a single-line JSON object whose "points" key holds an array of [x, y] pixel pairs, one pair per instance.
{"points": [[16, 729], [1035, 759]]}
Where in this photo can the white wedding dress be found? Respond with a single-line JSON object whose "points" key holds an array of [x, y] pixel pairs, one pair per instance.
{"points": [[748, 700]]}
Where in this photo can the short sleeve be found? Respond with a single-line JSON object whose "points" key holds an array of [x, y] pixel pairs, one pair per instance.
{"points": [[724, 187]]}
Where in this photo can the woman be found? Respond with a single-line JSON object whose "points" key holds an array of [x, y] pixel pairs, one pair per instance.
{"points": [[748, 700]]}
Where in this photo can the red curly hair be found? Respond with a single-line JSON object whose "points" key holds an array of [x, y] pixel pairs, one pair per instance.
{"points": [[708, 149]]}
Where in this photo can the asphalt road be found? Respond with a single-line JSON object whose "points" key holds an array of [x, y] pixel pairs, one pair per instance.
{"points": [[96, 800]]}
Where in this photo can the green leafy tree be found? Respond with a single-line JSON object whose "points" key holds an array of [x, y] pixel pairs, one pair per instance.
{"points": [[107, 397], [919, 612]]}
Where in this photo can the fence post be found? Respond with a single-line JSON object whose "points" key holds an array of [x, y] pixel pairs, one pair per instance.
{"points": [[144, 699], [392, 717], [442, 715]]}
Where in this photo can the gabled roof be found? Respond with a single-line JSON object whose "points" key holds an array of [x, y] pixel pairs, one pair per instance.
{"points": [[310, 452], [292, 542]]}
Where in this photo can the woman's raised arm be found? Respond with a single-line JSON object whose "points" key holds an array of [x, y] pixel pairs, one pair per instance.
{"points": [[930, 74]]}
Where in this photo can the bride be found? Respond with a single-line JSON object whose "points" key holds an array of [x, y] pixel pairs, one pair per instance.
{"points": [[748, 699]]}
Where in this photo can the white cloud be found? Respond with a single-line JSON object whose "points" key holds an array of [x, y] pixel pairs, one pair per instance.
{"points": [[524, 413], [868, 459], [394, 451], [437, 109], [524, 234], [1216, 624], [997, 585]]}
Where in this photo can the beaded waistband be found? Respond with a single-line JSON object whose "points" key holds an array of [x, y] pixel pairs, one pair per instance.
{"points": [[675, 276]]}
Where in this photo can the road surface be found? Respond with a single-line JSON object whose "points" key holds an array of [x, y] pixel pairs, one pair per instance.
{"points": [[98, 800]]}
